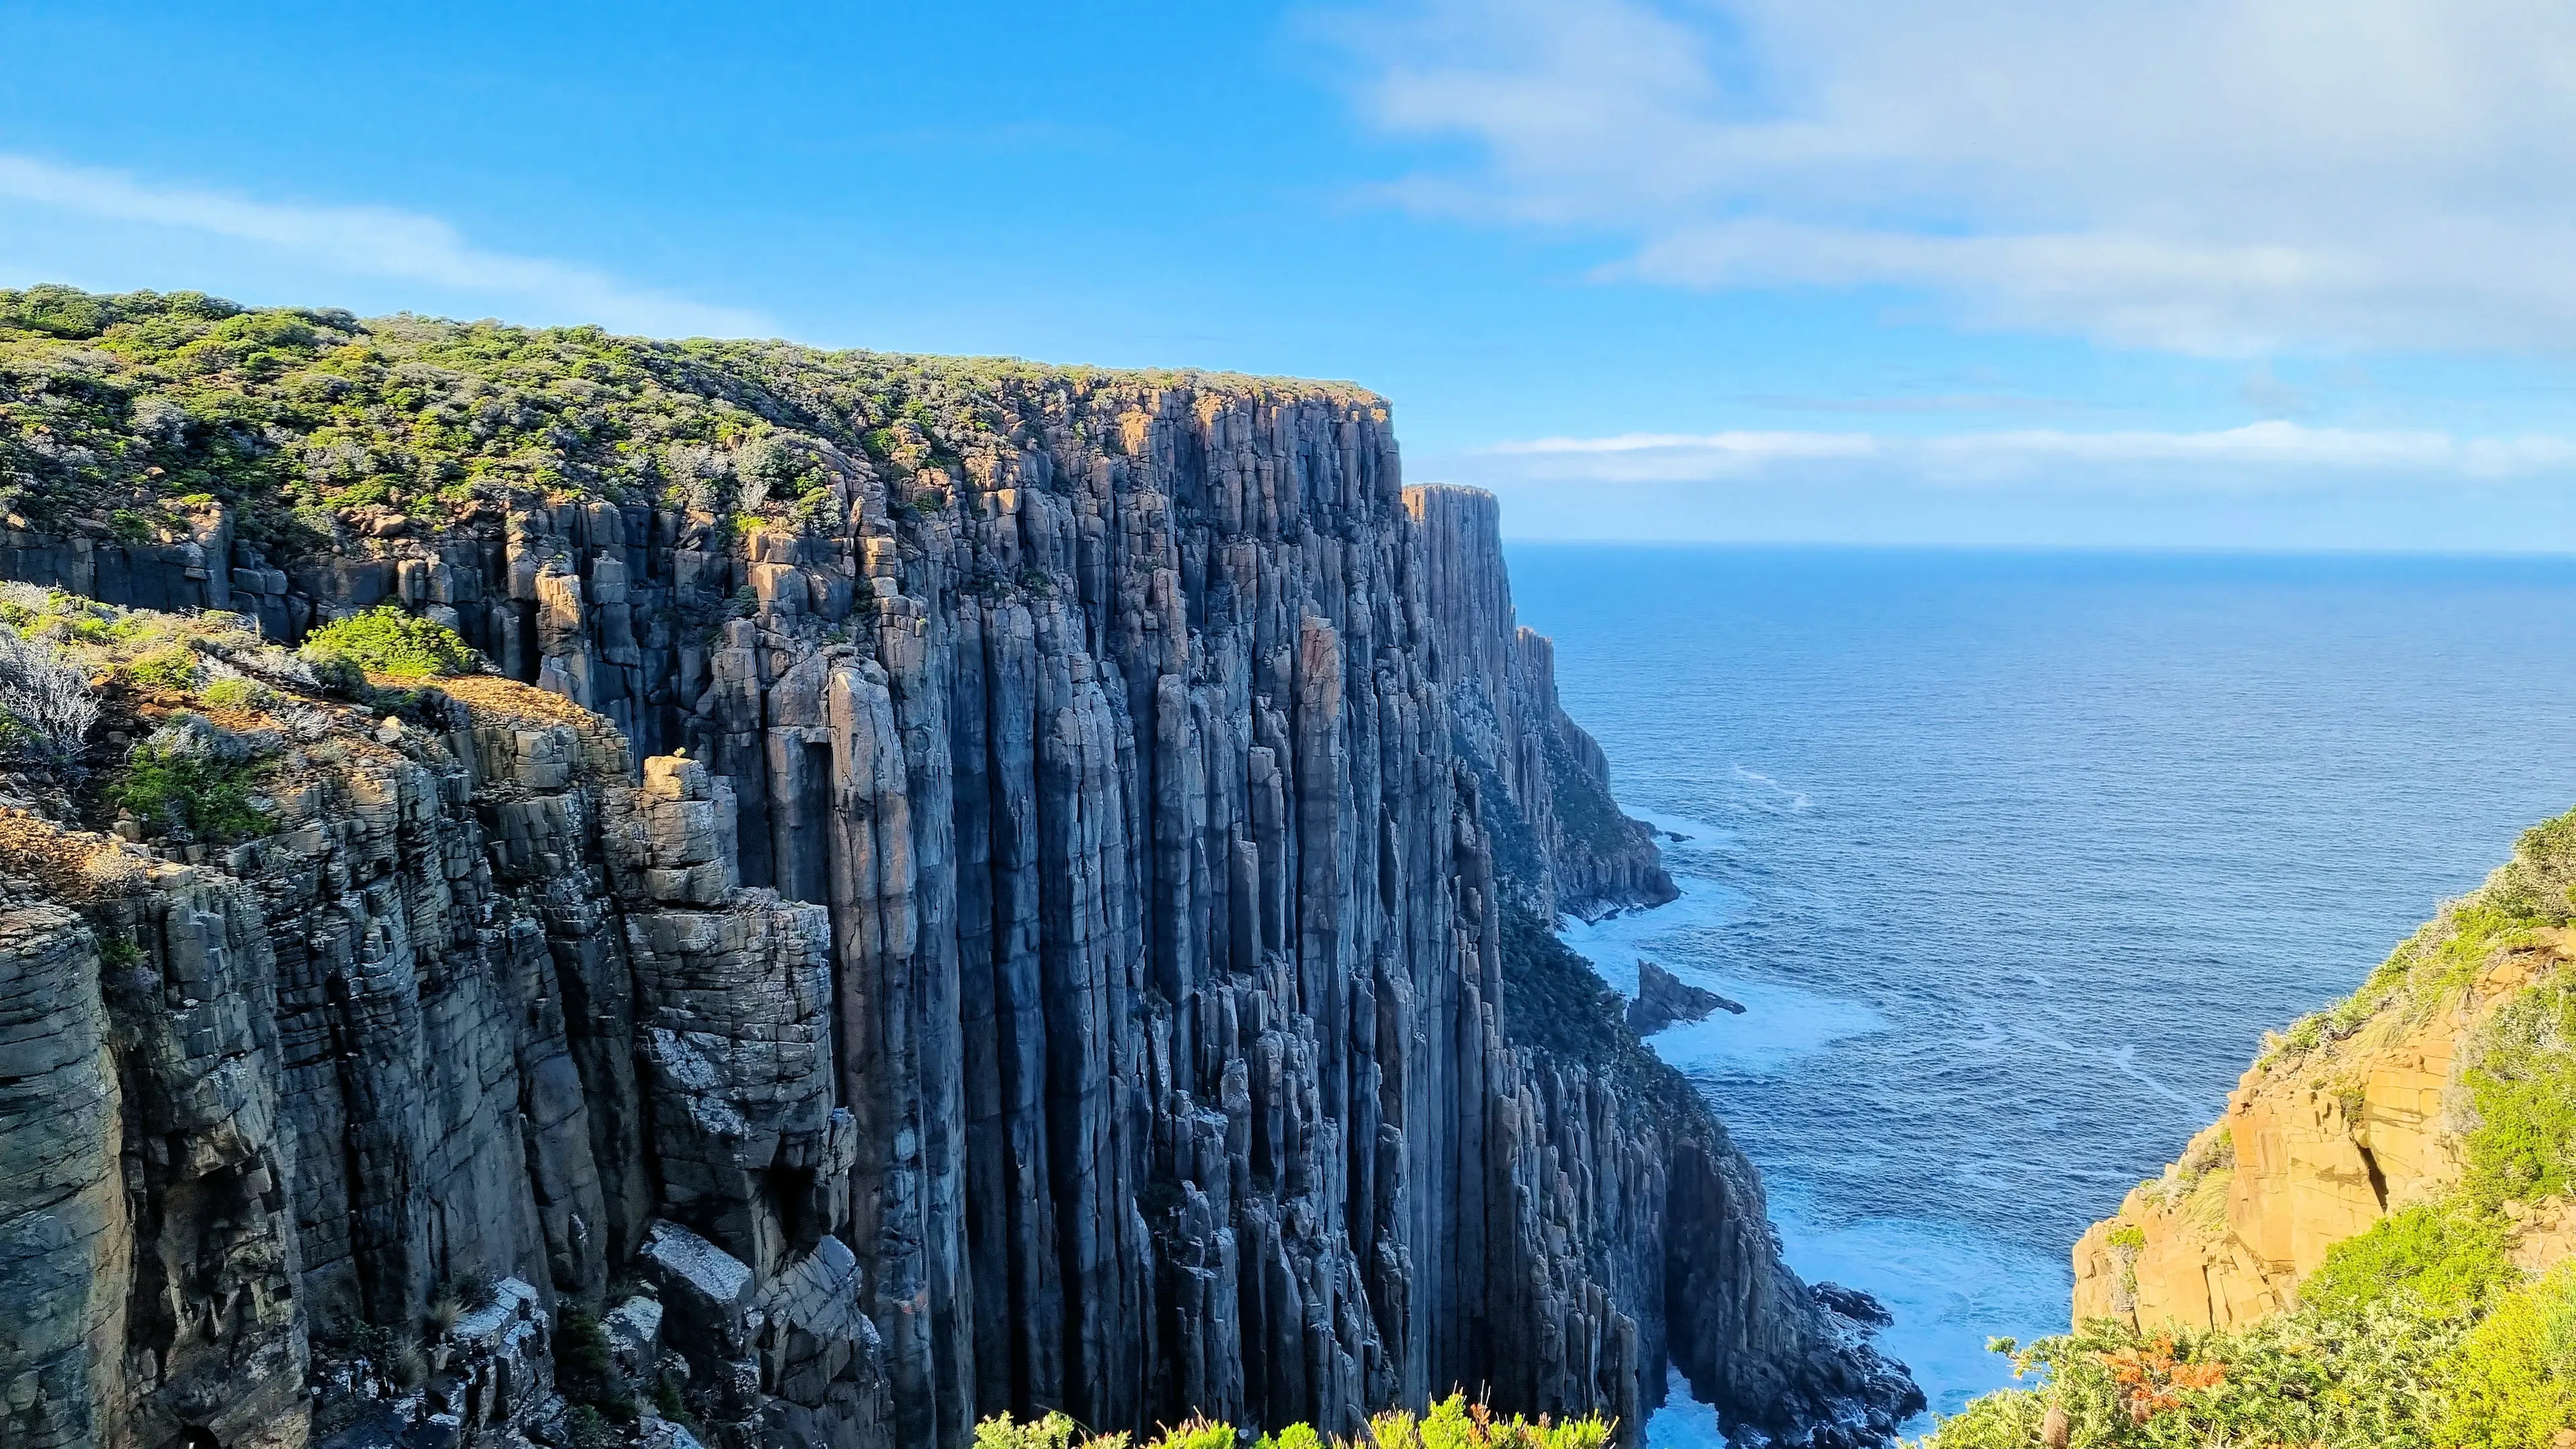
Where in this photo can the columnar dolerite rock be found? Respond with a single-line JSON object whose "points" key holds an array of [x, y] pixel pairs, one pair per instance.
{"points": [[65, 1241], [1020, 930], [1558, 835]]}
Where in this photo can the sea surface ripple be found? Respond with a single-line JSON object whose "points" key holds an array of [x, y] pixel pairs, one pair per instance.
{"points": [[2014, 856]]}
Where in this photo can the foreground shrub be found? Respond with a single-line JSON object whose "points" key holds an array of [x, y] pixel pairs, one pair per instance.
{"points": [[386, 640], [2374, 1380], [2448, 1256], [2513, 1379], [1453, 1423], [46, 708]]}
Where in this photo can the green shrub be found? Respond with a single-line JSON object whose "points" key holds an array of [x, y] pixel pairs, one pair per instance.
{"points": [[2446, 1256], [236, 693], [1048, 1431], [2522, 1082], [590, 1429], [386, 640], [668, 1403], [581, 1352], [2513, 1378], [341, 675], [1452, 1423], [208, 800], [172, 666], [2370, 1380]]}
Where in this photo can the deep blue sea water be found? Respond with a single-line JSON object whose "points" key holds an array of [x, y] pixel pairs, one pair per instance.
{"points": [[2014, 856]]}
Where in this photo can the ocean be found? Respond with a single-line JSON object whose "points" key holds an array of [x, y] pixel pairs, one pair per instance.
{"points": [[2014, 856]]}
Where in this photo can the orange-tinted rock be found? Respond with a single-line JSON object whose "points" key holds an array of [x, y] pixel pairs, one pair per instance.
{"points": [[2314, 1148]]}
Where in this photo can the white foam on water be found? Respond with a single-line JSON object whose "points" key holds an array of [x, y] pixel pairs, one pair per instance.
{"points": [[1949, 1287], [1946, 1287], [1794, 800], [2126, 1061], [1780, 1023], [1683, 1422]]}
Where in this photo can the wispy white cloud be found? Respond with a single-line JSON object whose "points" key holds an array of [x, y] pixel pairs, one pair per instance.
{"points": [[2260, 455], [2203, 175], [366, 241], [1748, 447]]}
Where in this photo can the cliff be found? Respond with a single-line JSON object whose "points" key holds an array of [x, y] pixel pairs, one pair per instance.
{"points": [[2371, 1247], [963, 891], [1558, 837], [2392, 1100]]}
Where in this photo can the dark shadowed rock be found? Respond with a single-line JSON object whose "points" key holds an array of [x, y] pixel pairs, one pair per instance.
{"points": [[1853, 1304], [1665, 1000]]}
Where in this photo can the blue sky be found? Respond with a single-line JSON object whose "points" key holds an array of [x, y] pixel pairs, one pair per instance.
{"points": [[2255, 273]]}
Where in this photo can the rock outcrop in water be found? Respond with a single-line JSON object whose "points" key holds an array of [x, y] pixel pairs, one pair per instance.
{"points": [[1021, 928], [1665, 1001]]}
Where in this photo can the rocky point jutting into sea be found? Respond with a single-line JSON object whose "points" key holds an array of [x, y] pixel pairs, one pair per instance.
{"points": [[965, 887]]}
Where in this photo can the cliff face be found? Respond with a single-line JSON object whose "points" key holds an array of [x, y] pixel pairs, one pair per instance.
{"points": [[1557, 834], [2359, 1113], [1018, 929]]}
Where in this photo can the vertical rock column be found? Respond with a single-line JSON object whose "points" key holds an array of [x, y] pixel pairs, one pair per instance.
{"points": [[215, 1329], [66, 1246]]}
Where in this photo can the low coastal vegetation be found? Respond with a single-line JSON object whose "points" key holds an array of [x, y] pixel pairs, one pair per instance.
{"points": [[2400, 1370], [169, 726], [1453, 1423], [388, 640], [128, 413], [2440, 1327]]}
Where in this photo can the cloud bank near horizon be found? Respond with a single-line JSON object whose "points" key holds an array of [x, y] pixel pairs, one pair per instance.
{"points": [[2273, 454], [2269, 485], [2216, 177], [362, 241]]}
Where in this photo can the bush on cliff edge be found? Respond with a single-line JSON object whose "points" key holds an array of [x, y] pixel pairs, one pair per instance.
{"points": [[1452, 1423], [386, 640]]}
